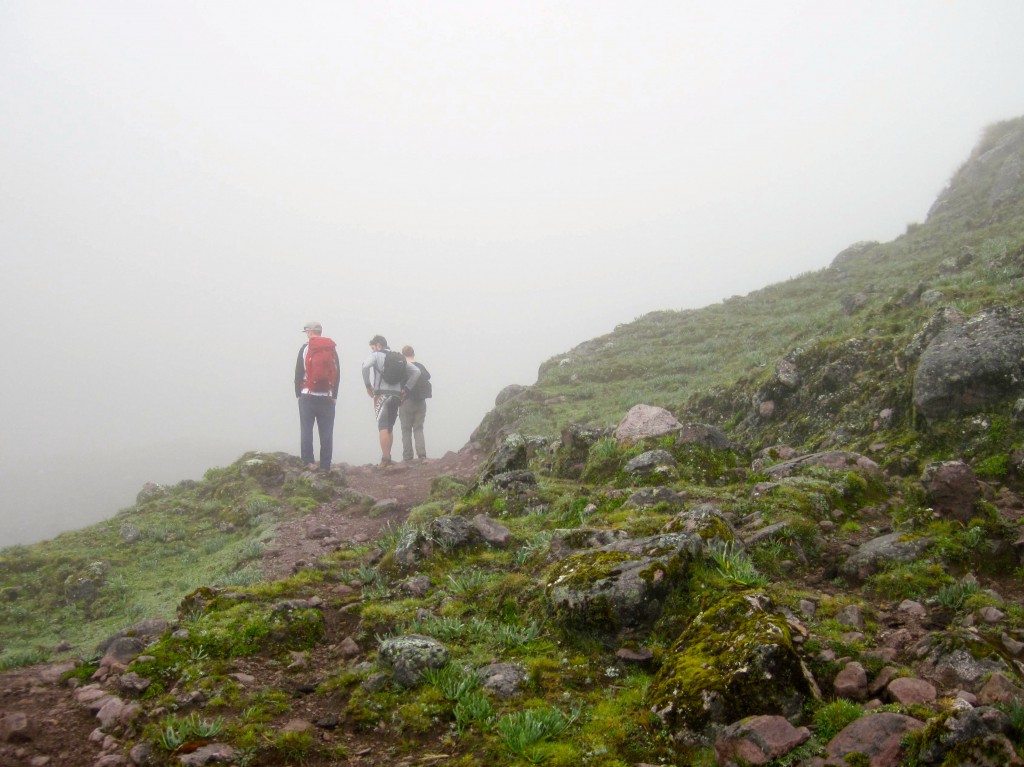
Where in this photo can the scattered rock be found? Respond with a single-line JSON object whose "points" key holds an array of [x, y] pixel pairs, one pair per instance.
{"points": [[650, 463], [15, 728], [1000, 690], [909, 690], [492, 532], [503, 679], [735, 660], [758, 740], [852, 682], [453, 532], [212, 753], [971, 736], [621, 585], [409, 655], [835, 459], [703, 435], [511, 455], [881, 552], [952, 489], [646, 421], [876, 736]]}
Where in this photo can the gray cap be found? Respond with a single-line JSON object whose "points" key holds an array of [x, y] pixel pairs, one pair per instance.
{"points": [[313, 326]]}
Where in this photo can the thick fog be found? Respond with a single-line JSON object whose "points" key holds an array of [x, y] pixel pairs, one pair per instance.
{"points": [[185, 184]]}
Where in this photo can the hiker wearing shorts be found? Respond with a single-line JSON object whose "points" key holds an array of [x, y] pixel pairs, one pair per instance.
{"points": [[317, 375], [413, 410], [387, 389]]}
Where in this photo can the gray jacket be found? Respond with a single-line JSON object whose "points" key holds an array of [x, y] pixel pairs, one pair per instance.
{"points": [[374, 364]]}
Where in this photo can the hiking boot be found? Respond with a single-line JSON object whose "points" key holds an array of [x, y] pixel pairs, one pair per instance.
{"points": [[386, 461], [311, 467]]}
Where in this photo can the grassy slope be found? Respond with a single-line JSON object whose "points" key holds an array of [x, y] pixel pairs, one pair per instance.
{"points": [[85, 584]]}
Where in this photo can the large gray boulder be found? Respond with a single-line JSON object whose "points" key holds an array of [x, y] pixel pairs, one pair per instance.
{"points": [[972, 367]]}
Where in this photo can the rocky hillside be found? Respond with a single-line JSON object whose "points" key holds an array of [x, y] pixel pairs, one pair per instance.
{"points": [[784, 530], [816, 360]]}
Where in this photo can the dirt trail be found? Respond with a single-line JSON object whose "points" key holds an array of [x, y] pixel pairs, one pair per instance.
{"points": [[300, 542]]}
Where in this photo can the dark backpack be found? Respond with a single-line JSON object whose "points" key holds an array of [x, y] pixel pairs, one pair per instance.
{"points": [[394, 371], [423, 388], [321, 365]]}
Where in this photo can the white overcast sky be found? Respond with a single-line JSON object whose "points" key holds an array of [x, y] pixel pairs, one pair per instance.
{"points": [[184, 184]]}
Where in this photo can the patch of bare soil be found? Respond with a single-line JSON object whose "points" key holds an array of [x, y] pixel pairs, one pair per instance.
{"points": [[58, 728], [300, 542]]}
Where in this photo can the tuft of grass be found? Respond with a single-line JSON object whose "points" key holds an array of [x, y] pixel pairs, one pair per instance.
{"points": [[520, 731], [452, 680], [473, 709], [174, 732], [909, 580], [468, 583], [20, 658], [833, 717], [735, 566], [953, 596]]}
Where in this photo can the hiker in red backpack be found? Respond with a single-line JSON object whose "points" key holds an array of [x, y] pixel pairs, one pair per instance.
{"points": [[317, 375]]}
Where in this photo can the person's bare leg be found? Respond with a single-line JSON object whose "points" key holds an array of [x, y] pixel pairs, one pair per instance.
{"points": [[386, 438]]}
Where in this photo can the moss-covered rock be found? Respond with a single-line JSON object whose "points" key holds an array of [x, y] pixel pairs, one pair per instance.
{"points": [[705, 520], [972, 736], [735, 660], [961, 659], [620, 586], [511, 455]]}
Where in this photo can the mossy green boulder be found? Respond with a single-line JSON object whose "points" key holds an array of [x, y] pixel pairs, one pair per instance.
{"points": [[735, 660]]}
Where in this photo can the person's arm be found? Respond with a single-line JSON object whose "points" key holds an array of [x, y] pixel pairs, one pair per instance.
{"points": [[300, 371], [367, 367], [411, 377], [337, 376]]}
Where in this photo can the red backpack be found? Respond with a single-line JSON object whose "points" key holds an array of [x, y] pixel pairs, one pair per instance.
{"points": [[321, 365]]}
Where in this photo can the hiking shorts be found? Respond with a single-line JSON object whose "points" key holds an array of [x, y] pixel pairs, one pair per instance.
{"points": [[388, 413]]}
